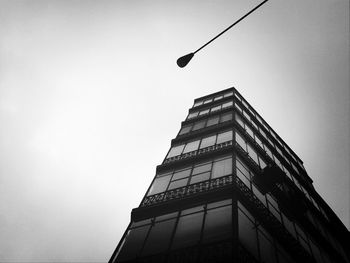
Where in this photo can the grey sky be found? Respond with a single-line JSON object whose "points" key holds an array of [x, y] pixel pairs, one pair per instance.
{"points": [[90, 97]]}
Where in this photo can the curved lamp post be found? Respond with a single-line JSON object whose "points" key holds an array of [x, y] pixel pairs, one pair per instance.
{"points": [[183, 61]]}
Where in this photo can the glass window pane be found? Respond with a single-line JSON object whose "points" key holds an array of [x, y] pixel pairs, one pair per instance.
{"points": [[238, 107], [218, 97], [227, 104], [267, 250], [159, 185], [191, 146], [198, 103], [204, 112], [247, 234], [243, 178], [224, 137], [228, 94], [213, 121], [239, 120], [215, 108], [240, 141], [226, 117], [219, 203], [198, 125], [185, 129], [252, 154], [218, 224], [188, 230], [178, 183], [201, 168], [200, 178], [133, 243], [159, 237], [208, 141], [249, 131], [259, 195], [222, 168], [175, 150], [192, 115], [207, 101], [244, 170], [181, 174]]}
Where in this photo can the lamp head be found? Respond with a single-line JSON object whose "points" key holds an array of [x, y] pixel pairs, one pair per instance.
{"points": [[183, 61]]}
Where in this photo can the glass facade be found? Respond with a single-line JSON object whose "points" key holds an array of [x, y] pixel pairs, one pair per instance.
{"points": [[231, 190]]}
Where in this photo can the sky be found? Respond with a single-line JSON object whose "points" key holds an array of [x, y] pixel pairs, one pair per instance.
{"points": [[90, 98]]}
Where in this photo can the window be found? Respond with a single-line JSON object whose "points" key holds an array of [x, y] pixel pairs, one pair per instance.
{"points": [[159, 185], [175, 150], [215, 108], [208, 141], [227, 104], [218, 224], [226, 117], [191, 146], [203, 112], [213, 121], [185, 129], [188, 228], [218, 97], [178, 183], [198, 103], [159, 237], [247, 231], [222, 168], [207, 101], [224, 137], [267, 250], [181, 174], [228, 94], [192, 115], [133, 243], [198, 125]]}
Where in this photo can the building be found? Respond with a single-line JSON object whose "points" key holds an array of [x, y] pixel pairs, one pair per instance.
{"points": [[231, 190]]}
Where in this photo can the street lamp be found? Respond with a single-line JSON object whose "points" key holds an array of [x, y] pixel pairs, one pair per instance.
{"points": [[183, 61]]}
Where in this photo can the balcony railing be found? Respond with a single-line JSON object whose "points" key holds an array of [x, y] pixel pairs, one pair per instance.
{"points": [[184, 191], [199, 152]]}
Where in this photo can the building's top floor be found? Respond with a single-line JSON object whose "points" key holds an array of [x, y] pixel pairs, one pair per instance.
{"points": [[212, 103]]}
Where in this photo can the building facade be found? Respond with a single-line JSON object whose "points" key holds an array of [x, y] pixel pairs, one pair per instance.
{"points": [[231, 190]]}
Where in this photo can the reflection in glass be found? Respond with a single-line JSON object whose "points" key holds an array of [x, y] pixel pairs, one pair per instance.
{"points": [[178, 183], [218, 224], [181, 174], [133, 243], [188, 230], [247, 233], [212, 121], [159, 237]]}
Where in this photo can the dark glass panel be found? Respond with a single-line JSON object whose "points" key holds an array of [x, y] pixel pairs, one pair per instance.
{"points": [[227, 104], [204, 112], [188, 230], [253, 154], [267, 250], [239, 120], [166, 216], [133, 243], [216, 108], [213, 121], [185, 129], [226, 117], [219, 203], [159, 237], [198, 125], [218, 224], [247, 234]]}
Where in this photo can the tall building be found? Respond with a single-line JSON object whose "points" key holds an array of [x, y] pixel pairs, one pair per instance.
{"points": [[231, 190]]}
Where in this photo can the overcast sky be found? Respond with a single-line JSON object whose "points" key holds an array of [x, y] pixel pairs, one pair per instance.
{"points": [[90, 97]]}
